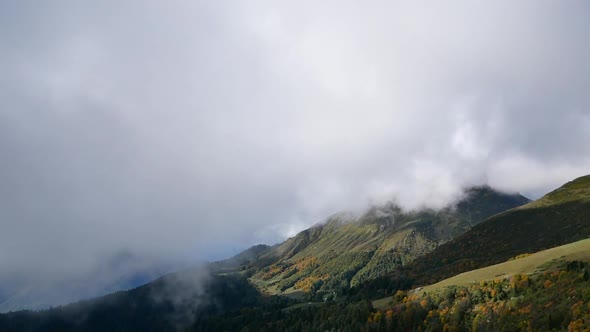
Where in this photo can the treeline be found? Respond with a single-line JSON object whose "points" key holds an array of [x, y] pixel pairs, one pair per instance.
{"points": [[558, 300], [169, 304]]}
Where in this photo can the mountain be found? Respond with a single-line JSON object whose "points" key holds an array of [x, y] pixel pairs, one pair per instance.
{"points": [[241, 260], [529, 264], [348, 249], [556, 298], [562, 216]]}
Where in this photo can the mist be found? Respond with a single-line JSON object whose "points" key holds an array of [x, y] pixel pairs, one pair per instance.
{"points": [[181, 132]]}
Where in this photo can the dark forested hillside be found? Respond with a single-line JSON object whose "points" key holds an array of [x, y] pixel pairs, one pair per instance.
{"points": [[170, 303]]}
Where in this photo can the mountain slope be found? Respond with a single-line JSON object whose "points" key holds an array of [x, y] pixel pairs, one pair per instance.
{"points": [[323, 258], [560, 217], [348, 250], [241, 260], [170, 303], [226, 301], [531, 264], [122, 272], [536, 263]]}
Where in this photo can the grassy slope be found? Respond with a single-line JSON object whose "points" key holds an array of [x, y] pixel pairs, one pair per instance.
{"points": [[348, 249], [577, 251], [532, 264]]}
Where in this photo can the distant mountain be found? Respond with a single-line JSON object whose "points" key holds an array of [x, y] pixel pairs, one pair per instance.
{"points": [[347, 250], [170, 303], [122, 271], [240, 260]]}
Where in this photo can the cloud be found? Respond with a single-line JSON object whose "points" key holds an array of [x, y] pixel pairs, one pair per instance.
{"points": [[190, 130]]}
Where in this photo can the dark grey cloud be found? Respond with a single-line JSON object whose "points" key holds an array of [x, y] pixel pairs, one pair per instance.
{"points": [[188, 130]]}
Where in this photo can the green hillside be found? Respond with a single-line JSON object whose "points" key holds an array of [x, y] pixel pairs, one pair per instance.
{"points": [[348, 250], [528, 264]]}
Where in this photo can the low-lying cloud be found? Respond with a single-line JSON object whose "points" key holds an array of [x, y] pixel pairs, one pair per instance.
{"points": [[183, 131]]}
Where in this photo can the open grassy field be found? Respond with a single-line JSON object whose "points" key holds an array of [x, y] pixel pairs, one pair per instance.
{"points": [[383, 304], [577, 251], [537, 262]]}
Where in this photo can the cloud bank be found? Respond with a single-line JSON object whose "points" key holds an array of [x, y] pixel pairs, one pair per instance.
{"points": [[188, 130]]}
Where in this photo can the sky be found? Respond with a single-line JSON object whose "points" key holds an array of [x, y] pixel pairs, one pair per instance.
{"points": [[184, 131]]}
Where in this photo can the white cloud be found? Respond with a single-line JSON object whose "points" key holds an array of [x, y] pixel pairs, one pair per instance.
{"points": [[186, 128]]}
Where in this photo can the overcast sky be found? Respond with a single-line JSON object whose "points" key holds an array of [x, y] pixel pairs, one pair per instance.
{"points": [[193, 129]]}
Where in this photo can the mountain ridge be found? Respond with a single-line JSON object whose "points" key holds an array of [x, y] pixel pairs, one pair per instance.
{"points": [[348, 249], [557, 218], [235, 304]]}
